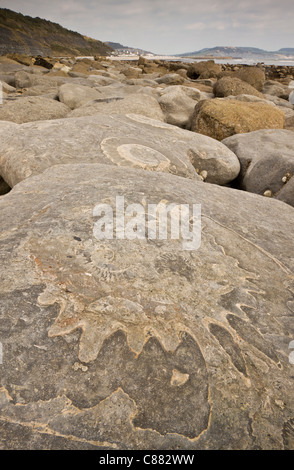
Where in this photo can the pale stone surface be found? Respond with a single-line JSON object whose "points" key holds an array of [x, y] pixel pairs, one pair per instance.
{"points": [[177, 107], [24, 79], [289, 117], [32, 108], [278, 101], [276, 89], [139, 344], [251, 99], [102, 81], [77, 95], [31, 148], [7, 88], [170, 79], [267, 162], [133, 103]]}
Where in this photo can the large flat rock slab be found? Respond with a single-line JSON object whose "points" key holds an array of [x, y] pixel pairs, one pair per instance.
{"points": [[127, 343], [128, 141]]}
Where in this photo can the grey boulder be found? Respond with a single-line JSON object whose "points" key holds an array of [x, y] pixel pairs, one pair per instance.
{"points": [[178, 105], [267, 162]]}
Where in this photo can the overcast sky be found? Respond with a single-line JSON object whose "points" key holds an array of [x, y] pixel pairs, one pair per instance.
{"points": [[171, 26]]}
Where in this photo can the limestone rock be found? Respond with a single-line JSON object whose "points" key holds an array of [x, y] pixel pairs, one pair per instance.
{"points": [[10, 67], [24, 79], [32, 108], [7, 78], [227, 86], [7, 88], [141, 82], [43, 90], [278, 101], [75, 96], [142, 104], [191, 92], [251, 99], [291, 97], [203, 70], [276, 89], [139, 344], [289, 117], [99, 80], [199, 85], [267, 162], [170, 79], [131, 72], [255, 76], [61, 67], [220, 118], [128, 141], [117, 90], [177, 106]]}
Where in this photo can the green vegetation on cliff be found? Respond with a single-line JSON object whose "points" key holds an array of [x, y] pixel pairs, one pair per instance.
{"points": [[35, 36]]}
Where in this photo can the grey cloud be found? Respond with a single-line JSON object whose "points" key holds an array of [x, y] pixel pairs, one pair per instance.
{"points": [[171, 26]]}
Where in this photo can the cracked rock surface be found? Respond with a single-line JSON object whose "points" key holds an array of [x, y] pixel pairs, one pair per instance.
{"points": [[141, 344]]}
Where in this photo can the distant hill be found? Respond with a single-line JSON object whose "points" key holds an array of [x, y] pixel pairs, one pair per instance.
{"points": [[239, 52], [35, 36], [287, 50], [120, 49]]}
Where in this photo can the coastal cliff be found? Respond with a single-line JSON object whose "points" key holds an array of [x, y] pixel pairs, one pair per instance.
{"points": [[35, 36]]}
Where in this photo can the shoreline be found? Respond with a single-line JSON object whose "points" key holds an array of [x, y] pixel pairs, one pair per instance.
{"points": [[217, 60]]}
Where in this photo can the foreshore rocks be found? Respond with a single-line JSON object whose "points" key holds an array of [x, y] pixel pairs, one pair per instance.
{"points": [[146, 262]]}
